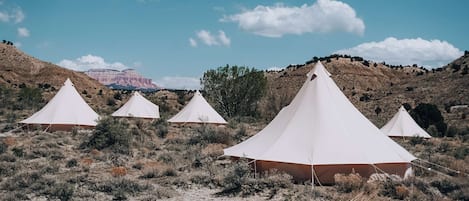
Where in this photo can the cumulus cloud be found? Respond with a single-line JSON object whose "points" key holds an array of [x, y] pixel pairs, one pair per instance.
{"points": [[16, 15], [23, 32], [90, 62], [430, 53], [275, 21], [177, 82], [192, 42], [210, 39], [4, 17]]}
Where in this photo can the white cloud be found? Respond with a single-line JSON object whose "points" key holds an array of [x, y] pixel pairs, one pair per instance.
{"points": [[177, 82], [90, 62], [275, 21], [23, 32], [4, 17], [430, 53], [16, 15], [18, 44], [223, 38], [192, 42], [209, 39]]}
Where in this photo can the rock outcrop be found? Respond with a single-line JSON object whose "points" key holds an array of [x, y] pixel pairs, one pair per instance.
{"points": [[128, 78]]}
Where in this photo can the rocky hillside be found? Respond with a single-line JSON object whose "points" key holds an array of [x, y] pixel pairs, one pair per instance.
{"points": [[370, 85], [125, 79], [18, 70]]}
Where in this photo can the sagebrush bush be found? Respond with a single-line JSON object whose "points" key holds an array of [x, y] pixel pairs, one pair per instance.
{"points": [[120, 188], [110, 133], [210, 135], [71, 163], [348, 183], [445, 186]]}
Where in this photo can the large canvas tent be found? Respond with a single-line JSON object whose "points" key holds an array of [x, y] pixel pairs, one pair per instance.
{"points": [[139, 107], [403, 125], [198, 111], [65, 110], [322, 132]]}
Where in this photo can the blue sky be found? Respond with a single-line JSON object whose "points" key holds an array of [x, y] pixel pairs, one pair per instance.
{"points": [[174, 42]]}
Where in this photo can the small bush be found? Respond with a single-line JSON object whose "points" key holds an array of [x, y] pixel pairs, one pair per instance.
{"points": [[236, 178], [445, 186], [110, 133], [120, 188], [72, 163], [61, 191], [153, 173], [416, 140], [169, 171], [18, 151], [208, 135], [348, 183], [118, 171]]}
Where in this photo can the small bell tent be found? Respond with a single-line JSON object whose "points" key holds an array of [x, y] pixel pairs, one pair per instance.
{"points": [[139, 107], [64, 111], [197, 111], [403, 125]]}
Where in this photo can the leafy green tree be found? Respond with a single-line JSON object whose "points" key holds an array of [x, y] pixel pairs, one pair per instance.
{"points": [[234, 90], [426, 114]]}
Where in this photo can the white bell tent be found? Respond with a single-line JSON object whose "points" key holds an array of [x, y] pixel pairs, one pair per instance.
{"points": [[321, 133], [64, 111], [403, 125], [198, 111], [139, 107]]}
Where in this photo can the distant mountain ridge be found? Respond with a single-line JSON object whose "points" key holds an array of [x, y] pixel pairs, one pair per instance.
{"points": [[126, 79]]}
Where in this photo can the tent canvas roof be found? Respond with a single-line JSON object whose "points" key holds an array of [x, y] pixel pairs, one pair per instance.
{"points": [[138, 106], [321, 127], [403, 125], [198, 111], [67, 107]]}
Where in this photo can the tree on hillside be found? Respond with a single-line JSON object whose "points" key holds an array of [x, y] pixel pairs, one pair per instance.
{"points": [[426, 114], [235, 90]]}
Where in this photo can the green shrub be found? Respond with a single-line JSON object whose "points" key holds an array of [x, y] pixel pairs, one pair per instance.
{"points": [[161, 128], [18, 151], [461, 152], [120, 188], [445, 186], [208, 135], [61, 191], [112, 134], [236, 178], [72, 163], [416, 140]]}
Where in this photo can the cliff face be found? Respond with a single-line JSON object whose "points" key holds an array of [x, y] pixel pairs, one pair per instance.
{"points": [[126, 79]]}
